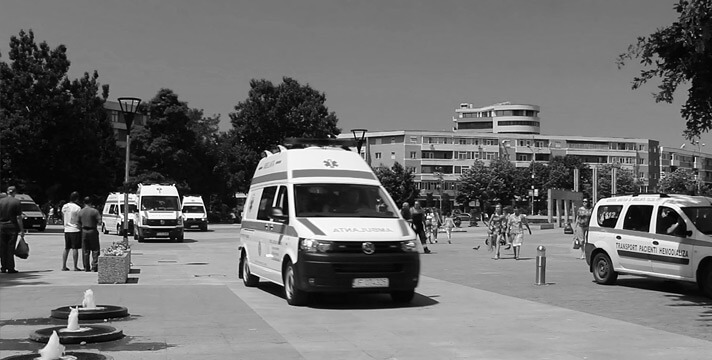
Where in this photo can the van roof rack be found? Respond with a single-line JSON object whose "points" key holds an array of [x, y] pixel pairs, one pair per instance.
{"points": [[662, 195]]}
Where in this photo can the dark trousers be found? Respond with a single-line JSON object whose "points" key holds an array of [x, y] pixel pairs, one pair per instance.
{"points": [[8, 240], [90, 244]]}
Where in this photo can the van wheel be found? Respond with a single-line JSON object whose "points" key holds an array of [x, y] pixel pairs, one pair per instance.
{"points": [[404, 296], [103, 228], [295, 297], [179, 239], [603, 271], [705, 281], [247, 278]]}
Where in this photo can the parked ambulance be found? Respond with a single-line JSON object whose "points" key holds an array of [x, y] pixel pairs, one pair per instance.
{"points": [[112, 215], [317, 219], [159, 213], [194, 213]]}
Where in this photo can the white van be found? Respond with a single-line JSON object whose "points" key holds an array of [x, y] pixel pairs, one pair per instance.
{"points": [[194, 213], [657, 235], [159, 213], [318, 220], [112, 215]]}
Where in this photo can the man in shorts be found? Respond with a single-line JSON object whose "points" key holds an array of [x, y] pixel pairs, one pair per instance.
{"points": [[72, 232], [89, 220]]}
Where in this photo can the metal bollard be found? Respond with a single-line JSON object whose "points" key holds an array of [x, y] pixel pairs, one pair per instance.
{"points": [[540, 265]]}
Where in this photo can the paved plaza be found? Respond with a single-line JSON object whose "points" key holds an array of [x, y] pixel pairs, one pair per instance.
{"points": [[186, 302]]}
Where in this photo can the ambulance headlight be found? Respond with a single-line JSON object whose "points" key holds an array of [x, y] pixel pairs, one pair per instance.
{"points": [[313, 246], [180, 220], [409, 246]]}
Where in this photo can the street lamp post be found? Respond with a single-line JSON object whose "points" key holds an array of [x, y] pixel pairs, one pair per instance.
{"points": [[359, 137], [439, 175], [533, 176], [129, 106]]}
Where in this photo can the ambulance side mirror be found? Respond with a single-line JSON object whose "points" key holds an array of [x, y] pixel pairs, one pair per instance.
{"points": [[278, 215]]}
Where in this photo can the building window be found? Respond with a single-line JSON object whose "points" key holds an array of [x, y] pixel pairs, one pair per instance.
{"points": [[393, 140], [462, 141], [413, 154], [393, 154], [378, 155], [522, 157], [413, 139], [462, 155], [475, 125]]}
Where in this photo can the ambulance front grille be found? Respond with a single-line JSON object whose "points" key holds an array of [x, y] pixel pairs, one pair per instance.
{"points": [[380, 247], [368, 268]]}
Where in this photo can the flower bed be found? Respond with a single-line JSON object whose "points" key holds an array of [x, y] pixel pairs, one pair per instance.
{"points": [[114, 264]]}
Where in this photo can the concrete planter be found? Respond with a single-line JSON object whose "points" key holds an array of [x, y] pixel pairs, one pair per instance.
{"points": [[114, 269]]}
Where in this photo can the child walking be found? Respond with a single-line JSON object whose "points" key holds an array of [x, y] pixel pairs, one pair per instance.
{"points": [[448, 224]]}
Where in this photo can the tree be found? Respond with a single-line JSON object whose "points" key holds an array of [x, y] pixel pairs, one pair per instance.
{"points": [[399, 182], [680, 54], [561, 172], [680, 181], [498, 182], [268, 116], [162, 147], [56, 136], [625, 181]]}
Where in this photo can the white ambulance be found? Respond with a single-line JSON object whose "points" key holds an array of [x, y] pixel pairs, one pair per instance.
{"points": [[159, 213], [317, 219], [657, 235], [194, 213], [112, 215]]}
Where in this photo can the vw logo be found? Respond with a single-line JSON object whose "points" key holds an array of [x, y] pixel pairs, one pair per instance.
{"points": [[163, 222], [368, 248]]}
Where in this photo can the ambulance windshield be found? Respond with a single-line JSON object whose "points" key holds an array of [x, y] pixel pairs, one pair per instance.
{"points": [[160, 203], [342, 200]]}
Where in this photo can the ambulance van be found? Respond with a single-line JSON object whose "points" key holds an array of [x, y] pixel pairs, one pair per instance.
{"points": [[664, 236], [159, 213], [317, 220], [194, 213], [32, 216], [112, 215]]}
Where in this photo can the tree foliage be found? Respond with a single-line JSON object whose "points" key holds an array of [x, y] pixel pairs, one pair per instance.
{"points": [[625, 181], [500, 182], [268, 116], [680, 54], [680, 181], [399, 182], [55, 133]]}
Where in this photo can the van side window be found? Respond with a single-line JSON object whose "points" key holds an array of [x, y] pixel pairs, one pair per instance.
{"points": [[265, 205], [608, 215], [112, 210], [669, 222], [638, 218], [283, 201]]}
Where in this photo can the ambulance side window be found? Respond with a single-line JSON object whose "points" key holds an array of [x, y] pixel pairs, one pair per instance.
{"points": [[265, 205], [608, 215], [638, 217], [283, 201], [112, 209]]}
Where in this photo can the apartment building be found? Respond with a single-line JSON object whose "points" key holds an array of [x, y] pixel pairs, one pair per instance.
{"points": [[513, 131]]}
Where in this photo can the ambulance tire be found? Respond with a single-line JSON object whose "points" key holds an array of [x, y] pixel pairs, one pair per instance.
{"points": [[704, 280], [294, 296], [403, 296], [247, 278], [103, 228], [602, 267]]}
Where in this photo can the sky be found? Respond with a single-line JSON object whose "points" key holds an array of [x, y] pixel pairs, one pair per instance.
{"points": [[383, 64]]}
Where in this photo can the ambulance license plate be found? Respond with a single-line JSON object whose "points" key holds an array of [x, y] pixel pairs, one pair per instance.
{"points": [[162, 234], [370, 283]]}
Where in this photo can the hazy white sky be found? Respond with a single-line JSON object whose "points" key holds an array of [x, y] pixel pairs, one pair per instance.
{"points": [[383, 64]]}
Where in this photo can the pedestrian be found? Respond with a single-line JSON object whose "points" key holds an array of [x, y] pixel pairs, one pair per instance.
{"points": [[89, 220], [405, 212], [448, 224], [516, 223], [10, 226], [437, 223], [72, 231], [418, 218], [496, 230], [583, 216], [507, 236], [430, 225]]}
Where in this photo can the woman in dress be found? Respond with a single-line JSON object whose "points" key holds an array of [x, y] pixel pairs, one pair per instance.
{"points": [[496, 230], [516, 223]]}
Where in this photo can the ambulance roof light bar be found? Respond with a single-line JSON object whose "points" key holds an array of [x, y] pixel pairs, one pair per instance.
{"points": [[300, 143]]}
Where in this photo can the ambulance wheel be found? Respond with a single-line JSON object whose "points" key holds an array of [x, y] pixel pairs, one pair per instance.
{"points": [[403, 296], [603, 271], [203, 227], [103, 229], [247, 278], [704, 281], [179, 238], [294, 296]]}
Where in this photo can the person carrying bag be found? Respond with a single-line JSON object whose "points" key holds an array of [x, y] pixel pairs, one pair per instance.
{"points": [[22, 250], [10, 226]]}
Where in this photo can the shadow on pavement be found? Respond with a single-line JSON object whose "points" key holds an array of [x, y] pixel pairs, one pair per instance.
{"points": [[679, 290], [351, 301], [22, 278]]}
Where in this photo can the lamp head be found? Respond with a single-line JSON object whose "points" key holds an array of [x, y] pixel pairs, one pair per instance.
{"points": [[129, 105]]}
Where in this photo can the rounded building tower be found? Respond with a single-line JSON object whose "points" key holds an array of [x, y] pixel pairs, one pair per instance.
{"points": [[502, 118]]}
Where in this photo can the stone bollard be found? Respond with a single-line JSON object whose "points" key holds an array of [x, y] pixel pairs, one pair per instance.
{"points": [[540, 265]]}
